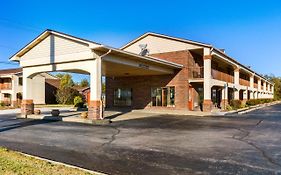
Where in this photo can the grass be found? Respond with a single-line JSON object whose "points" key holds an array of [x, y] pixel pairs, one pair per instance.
{"points": [[14, 163]]}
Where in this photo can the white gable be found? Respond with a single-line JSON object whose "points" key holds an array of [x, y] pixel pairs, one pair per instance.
{"points": [[54, 49], [157, 44]]}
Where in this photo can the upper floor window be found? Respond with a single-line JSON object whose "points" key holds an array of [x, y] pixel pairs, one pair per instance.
{"points": [[20, 81]]}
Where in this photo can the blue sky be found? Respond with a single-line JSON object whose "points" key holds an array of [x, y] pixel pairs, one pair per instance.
{"points": [[250, 31]]}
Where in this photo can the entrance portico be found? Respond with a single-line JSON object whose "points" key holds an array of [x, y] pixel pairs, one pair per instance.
{"points": [[54, 51]]}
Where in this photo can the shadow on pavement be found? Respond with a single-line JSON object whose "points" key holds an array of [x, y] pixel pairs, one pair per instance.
{"points": [[24, 124]]}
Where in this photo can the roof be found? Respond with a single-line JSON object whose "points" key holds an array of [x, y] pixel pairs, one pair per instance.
{"points": [[194, 43], [10, 71], [80, 89], [168, 37], [92, 45]]}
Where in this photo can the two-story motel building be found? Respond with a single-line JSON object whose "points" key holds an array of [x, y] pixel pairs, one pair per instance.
{"points": [[152, 71]]}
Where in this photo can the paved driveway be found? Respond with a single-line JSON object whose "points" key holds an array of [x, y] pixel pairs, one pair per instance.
{"points": [[163, 144]]}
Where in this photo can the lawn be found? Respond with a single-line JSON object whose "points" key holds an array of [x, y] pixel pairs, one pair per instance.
{"points": [[14, 163]]}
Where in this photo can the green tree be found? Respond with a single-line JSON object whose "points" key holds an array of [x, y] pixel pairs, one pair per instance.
{"points": [[65, 80], [277, 85], [66, 95], [84, 83]]}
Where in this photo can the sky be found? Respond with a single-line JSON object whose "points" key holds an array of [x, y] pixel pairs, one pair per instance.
{"points": [[249, 31]]}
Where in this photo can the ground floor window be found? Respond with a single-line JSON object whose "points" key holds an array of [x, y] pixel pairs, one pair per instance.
{"points": [[163, 96], [123, 97]]}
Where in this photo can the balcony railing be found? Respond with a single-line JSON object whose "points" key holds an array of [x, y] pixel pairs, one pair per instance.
{"points": [[218, 75], [5, 86], [196, 72], [255, 85], [244, 82]]}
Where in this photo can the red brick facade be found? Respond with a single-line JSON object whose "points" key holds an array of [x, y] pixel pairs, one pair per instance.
{"points": [[141, 85]]}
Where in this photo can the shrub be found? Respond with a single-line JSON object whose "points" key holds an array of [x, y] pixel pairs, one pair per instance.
{"points": [[78, 102], [229, 108], [2, 104], [253, 102], [235, 104]]}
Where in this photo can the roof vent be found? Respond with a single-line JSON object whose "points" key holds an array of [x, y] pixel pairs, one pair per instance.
{"points": [[144, 51], [223, 50]]}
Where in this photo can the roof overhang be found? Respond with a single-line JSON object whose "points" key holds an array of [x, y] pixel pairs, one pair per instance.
{"points": [[134, 56]]}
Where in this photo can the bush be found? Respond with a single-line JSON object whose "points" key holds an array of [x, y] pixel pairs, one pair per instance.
{"points": [[2, 104], [78, 102], [235, 104], [253, 102]]}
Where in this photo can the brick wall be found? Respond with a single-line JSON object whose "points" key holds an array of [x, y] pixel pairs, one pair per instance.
{"points": [[141, 85]]}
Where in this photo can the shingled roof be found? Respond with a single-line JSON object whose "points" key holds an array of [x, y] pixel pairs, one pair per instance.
{"points": [[10, 71]]}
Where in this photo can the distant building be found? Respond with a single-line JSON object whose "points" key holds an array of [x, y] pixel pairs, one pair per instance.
{"points": [[44, 86]]}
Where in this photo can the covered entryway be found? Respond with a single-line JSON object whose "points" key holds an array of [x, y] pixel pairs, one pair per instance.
{"points": [[54, 51]]}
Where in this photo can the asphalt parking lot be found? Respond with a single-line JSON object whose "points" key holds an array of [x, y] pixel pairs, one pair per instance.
{"points": [[163, 144]]}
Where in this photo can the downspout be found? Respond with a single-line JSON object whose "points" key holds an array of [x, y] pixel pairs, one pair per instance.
{"points": [[108, 52]]}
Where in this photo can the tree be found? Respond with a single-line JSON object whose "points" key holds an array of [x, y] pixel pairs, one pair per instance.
{"points": [[277, 85], [65, 80], [66, 95], [84, 83]]}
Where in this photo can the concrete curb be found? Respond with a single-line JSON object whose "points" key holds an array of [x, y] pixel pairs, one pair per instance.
{"points": [[65, 119], [63, 164]]}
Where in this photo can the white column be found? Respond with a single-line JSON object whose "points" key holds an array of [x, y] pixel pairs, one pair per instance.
{"points": [[26, 87], [252, 81], [268, 87], [207, 80], [259, 88], [237, 84], [95, 108], [224, 96], [264, 85], [14, 90], [245, 95]]}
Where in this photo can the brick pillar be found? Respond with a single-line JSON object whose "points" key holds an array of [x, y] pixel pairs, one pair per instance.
{"points": [[207, 105], [27, 107], [95, 110], [15, 103]]}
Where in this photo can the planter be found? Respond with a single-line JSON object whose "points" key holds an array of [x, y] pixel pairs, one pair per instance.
{"points": [[55, 112], [84, 115]]}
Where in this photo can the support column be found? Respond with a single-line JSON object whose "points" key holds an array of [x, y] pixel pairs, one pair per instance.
{"points": [[27, 105], [259, 88], [224, 95], [95, 107], [268, 87], [14, 91], [207, 104], [236, 83], [245, 96], [252, 81]]}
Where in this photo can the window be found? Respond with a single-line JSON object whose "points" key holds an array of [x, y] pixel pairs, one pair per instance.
{"points": [[123, 97], [20, 81], [7, 95], [163, 96]]}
